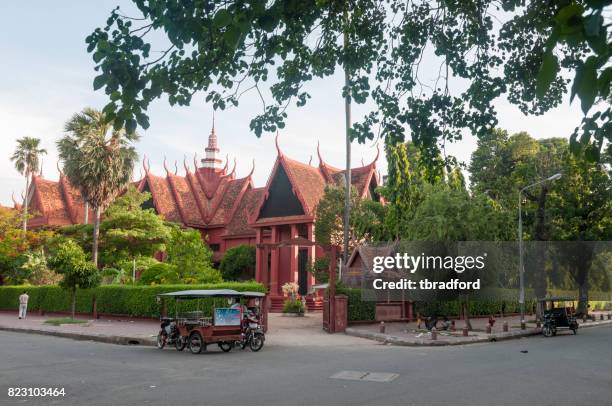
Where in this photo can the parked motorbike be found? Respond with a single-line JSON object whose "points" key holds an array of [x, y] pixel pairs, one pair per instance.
{"points": [[169, 334], [253, 335]]}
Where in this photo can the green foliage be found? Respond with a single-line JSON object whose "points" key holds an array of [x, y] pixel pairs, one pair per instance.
{"points": [[27, 155], [238, 263], [293, 306], [448, 214], [136, 301], [36, 269], [160, 274], [319, 269], [71, 262], [128, 231], [366, 220], [191, 256], [358, 309], [524, 53], [64, 320]]}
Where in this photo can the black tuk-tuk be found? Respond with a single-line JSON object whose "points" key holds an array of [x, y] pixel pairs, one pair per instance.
{"points": [[558, 312]]}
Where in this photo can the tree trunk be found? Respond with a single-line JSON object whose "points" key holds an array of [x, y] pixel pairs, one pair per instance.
{"points": [[73, 302], [466, 314], [583, 298], [347, 121], [86, 219], [25, 204], [96, 233]]}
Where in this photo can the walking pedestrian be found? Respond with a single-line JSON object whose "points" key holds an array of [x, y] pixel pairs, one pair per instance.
{"points": [[23, 304]]}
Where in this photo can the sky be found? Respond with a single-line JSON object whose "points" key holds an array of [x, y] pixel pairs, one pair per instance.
{"points": [[46, 76]]}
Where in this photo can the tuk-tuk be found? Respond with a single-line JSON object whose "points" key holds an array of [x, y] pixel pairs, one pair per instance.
{"points": [[239, 323], [558, 312]]}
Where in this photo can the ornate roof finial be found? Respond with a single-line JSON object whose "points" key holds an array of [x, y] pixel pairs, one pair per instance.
{"points": [[226, 163], [59, 169], [362, 164], [175, 167], [15, 204], [166, 166], [373, 164], [185, 164], [310, 160], [144, 164], [321, 161], [280, 153], [233, 169], [195, 161], [212, 138], [40, 171], [252, 169]]}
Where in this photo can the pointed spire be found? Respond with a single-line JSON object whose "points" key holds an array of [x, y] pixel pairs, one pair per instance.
{"points": [[280, 153], [144, 164], [252, 169], [166, 166], [185, 164], [321, 161], [175, 167], [195, 161]]}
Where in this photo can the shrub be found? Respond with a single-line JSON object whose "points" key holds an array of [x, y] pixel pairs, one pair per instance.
{"points": [[137, 301], [159, 274], [358, 309], [293, 306], [238, 263]]}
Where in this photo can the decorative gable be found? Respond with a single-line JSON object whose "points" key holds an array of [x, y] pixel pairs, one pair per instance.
{"points": [[281, 200]]}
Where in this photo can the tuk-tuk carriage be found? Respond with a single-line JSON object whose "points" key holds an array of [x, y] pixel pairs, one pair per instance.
{"points": [[558, 313], [236, 324]]}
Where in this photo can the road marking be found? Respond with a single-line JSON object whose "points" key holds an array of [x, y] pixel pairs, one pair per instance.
{"points": [[365, 376]]}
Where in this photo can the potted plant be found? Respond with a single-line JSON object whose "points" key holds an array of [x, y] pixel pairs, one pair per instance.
{"points": [[293, 305]]}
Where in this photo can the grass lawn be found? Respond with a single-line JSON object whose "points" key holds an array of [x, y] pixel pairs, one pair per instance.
{"points": [[65, 320]]}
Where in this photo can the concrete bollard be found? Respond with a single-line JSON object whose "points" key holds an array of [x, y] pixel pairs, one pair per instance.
{"points": [[505, 326], [488, 329], [584, 318], [465, 331], [453, 328], [381, 328], [434, 333], [523, 325], [601, 317], [609, 316]]}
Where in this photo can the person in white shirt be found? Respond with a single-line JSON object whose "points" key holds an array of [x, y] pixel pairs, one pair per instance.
{"points": [[23, 304]]}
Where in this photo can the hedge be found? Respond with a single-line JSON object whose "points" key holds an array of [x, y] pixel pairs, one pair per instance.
{"points": [[362, 309], [358, 309], [137, 301]]}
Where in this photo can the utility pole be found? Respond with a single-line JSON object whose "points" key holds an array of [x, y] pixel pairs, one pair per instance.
{"points": [[347, 116]]}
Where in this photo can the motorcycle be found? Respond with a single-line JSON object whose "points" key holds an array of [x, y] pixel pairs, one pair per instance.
{"points": [[253, 335], [169, 334]]}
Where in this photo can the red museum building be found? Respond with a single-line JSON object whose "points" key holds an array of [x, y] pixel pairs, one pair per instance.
{"points": [[228, 209]]}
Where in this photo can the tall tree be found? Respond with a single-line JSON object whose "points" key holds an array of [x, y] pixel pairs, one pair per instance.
{"points": [[27, 163], [521, 49], [98, 160], [582, 215]]}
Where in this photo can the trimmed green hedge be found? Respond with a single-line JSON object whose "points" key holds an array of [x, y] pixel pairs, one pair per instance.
{"points": [[357, 308], [360, 309], [138, 301]]}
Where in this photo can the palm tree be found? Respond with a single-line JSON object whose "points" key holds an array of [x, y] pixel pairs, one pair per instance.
{"points": [[98, 160], [26, 158]]}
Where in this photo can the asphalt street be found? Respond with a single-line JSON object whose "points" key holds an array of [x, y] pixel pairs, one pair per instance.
{"points": [[562, 370]]}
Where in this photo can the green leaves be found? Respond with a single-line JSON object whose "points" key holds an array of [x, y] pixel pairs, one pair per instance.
{"points": [[585, 84], [548, 73]]}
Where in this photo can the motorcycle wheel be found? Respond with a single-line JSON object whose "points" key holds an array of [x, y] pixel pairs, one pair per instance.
{"points": [[225, 346], [257, 342], [180, 344], [195, 343], [575, 330], [161, 340], [547, 331]]}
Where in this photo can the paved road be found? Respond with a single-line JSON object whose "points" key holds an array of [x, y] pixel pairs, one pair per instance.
{"points": [[564, 370]]}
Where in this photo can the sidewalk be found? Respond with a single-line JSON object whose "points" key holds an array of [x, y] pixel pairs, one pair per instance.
{"points": [[282, 331], [407, 334]]}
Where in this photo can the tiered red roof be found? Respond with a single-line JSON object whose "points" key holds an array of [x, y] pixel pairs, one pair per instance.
{"points": [[205, 197]]}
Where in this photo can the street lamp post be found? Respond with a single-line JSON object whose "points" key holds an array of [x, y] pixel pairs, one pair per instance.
{"points": [[520, 236]]}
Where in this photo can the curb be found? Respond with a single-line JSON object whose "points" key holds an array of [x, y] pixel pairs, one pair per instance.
{"points": [[402, 341], [119, 340]]}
